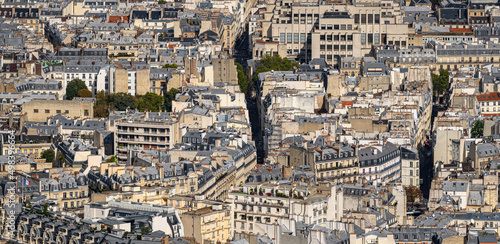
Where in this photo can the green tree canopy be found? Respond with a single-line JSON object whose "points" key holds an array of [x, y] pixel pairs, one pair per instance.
{"points": [[242, 78], [49, 155], [440, 83], [114, 102], [170, 66], [73, 87], [145, 230], [169, 97], [151, 102], [276, 63], [477, 129], [112, 159], [84, 93]]}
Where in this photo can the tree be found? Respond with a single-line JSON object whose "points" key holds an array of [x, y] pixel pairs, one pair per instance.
{"points": [[101, 106], [45, 208], [169, 97], [150, 102], [145, 230], [121, 101], [111, 159], [84, 93], [73, 87], [170, 66], [49, 155], [413, 193], [477, 129], [242, 78], [117, 102], [275, 63], [440, 83], [61, 159]]}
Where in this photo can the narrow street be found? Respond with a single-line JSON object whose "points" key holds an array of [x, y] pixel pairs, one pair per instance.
{"points": [[427, 157], [241, 55]]}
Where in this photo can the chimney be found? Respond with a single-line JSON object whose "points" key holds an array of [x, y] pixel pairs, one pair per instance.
{"points": [[182, 38], [206, 36], [132, 64]]}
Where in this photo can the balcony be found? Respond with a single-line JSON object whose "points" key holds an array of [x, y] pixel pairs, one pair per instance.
{"points": [[340, 167]]}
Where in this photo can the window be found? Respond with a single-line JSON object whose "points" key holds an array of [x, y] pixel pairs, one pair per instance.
{"points": [[363, 38], [296, 37], [86, 112], [58, 111], [377, 18], [370, 19], [47, 111], [289, 37], [35, 111], [376, 38], [303, 37], [363, 19]]}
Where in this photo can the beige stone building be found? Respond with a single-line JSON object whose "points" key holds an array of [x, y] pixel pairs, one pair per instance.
{"points": [[225, 70], [39, 110], [309, 30], [209, 224]]}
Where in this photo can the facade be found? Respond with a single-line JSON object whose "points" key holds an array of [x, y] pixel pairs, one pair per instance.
{"points": [[410, 167], [153, 131], [211, 224], [380, 165], [39, 110], [69, 192], [489, 103]]}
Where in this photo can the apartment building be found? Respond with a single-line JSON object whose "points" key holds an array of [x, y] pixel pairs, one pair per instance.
{"points": [[39, 110], [380, 163], [69, 191], [148, 131], [410, 167], [34, 150], [338, 164], [210, 224], [254, 203], [489, 103], [453, 57]]}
